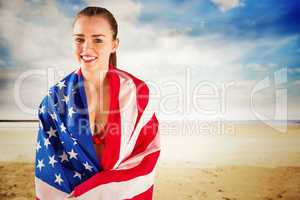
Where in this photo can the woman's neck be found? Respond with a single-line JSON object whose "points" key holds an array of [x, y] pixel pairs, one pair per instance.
{"points": [[97, 79]]}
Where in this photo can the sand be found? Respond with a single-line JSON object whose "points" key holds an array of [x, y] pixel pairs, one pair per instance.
{"points": [[223, 183], [228, 183], [17, 181]]}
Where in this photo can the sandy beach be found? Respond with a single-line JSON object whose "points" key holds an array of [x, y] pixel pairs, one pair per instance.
{"points": [[253, 162], [222, 183], [228, 183]]}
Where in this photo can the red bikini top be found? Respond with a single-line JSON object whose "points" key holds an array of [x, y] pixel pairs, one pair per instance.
{"points": [[98, 138]]}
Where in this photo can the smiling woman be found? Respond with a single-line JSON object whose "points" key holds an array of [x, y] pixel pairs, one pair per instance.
{"points": [[98, 136]]}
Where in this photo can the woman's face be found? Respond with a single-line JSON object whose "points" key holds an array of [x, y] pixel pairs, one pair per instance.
{"points": [[93, 39]]}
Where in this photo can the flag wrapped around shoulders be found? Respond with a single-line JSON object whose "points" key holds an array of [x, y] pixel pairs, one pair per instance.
{"points": [[66, 160]]}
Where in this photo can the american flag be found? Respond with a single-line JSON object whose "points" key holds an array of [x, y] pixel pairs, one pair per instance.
{"points": [[66, 160]]}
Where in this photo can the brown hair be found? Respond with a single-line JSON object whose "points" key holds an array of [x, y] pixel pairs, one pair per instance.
{"points": [[99, 11]]}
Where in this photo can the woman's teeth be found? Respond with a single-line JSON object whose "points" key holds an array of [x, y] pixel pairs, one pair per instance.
{"points": [[88, 58]]}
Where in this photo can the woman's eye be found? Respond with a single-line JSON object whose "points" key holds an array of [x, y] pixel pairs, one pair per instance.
{"points": [[98, 40], [79, 40]]}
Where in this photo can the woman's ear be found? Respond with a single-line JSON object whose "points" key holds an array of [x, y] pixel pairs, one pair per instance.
{"points": [[115, 45]]}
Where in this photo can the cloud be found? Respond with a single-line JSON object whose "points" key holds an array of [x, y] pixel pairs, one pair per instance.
{"points": [[226, 5], [297, 82], [294, 70], [2, 62], [261, 67], [125, 11], [37, 34]]}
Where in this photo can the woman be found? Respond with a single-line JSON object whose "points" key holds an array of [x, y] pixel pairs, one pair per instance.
{"points": [[98, 136]]}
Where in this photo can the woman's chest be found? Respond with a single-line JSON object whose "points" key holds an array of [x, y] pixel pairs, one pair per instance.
{"points": [[98, 109]]}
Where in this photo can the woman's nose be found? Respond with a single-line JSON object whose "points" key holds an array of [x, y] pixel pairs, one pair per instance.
{"points": [[86, 44]]}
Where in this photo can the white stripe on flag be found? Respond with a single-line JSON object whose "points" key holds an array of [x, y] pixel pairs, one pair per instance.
{"points": [[45, 191], [121, 190], [145, 118], [128, 112], [137, 159]]}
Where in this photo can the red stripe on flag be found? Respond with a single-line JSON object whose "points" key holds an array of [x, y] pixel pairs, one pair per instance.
{"points": [[147, 195], [142, 94], [146, 136], [112, 140], [146, 166]]}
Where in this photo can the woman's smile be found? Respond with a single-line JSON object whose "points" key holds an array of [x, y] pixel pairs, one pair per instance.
{"points": [[88, 58]]}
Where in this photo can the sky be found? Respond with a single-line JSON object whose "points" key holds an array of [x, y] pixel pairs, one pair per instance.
{"points": [[207, 59]]}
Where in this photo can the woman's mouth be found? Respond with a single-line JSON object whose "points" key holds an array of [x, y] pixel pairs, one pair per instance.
{"points": [[87, 58]]}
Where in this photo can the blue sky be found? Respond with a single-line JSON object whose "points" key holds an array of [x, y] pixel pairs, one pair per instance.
{"points": [[253, 20], [220, 40]]}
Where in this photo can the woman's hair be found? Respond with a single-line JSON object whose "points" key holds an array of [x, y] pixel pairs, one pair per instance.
{"points": [[99, 11]]}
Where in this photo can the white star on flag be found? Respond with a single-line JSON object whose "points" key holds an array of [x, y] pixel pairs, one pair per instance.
{"points": [[42, 109], [38, 146], [62, 128], [75, 140], [52, 161], [49, 93], [53, 116], [58, 179], [73, 91], [40, 164], [66, 99], [64, 157], [46, 142], [71, 112], [41, 125], [77, 174], [73, 154], [87, 166], [61, 84], [51, 132]]}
